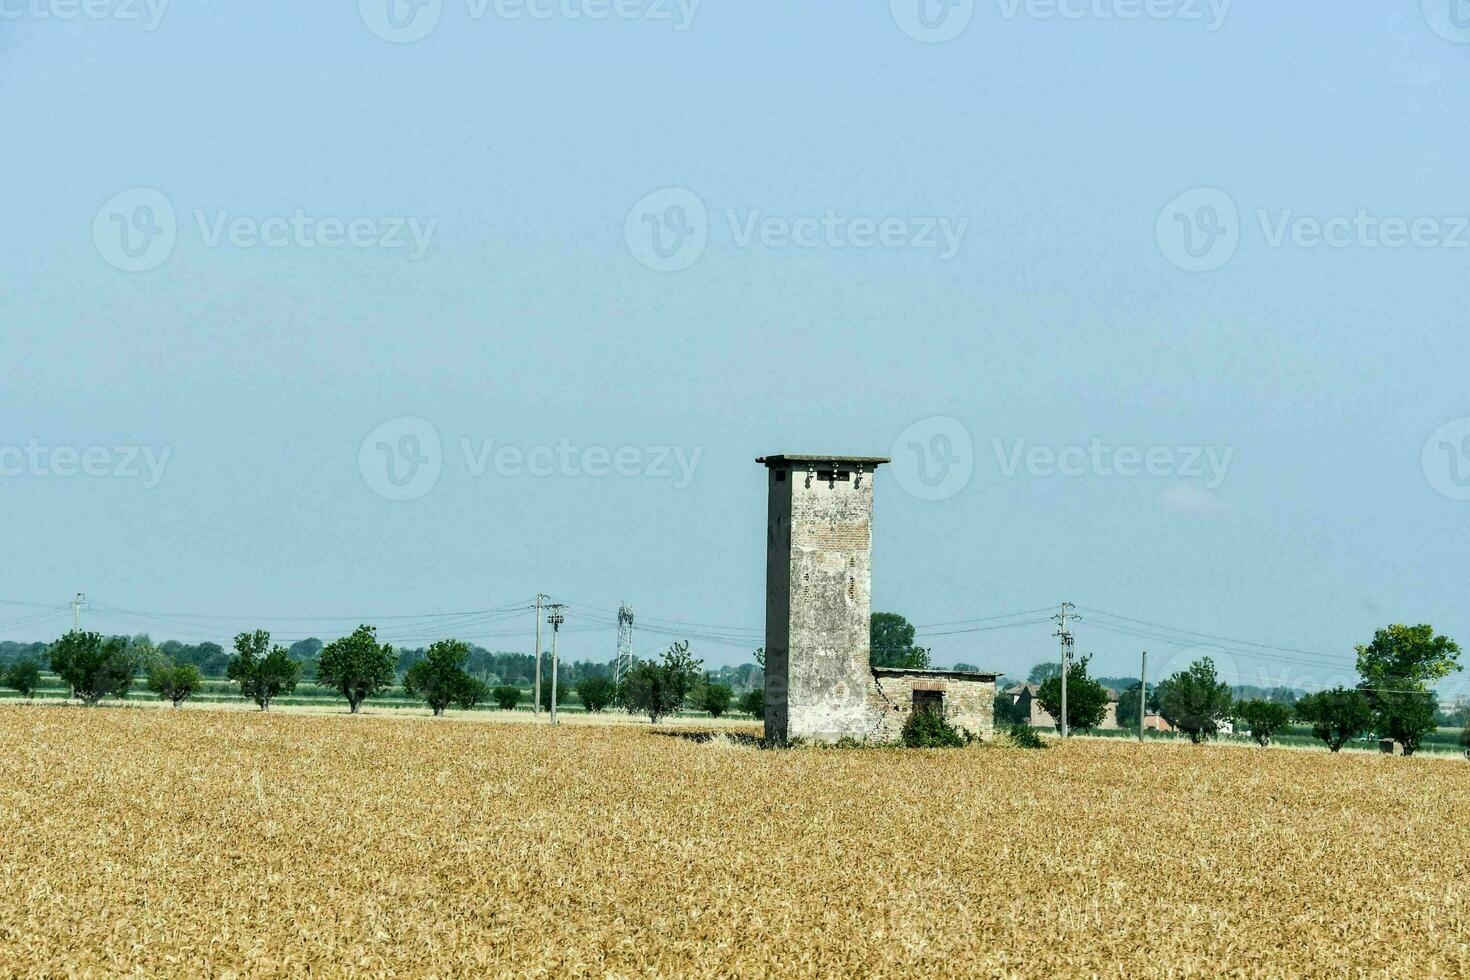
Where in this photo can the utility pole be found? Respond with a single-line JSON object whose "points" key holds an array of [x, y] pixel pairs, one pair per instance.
{"points": [[1142, 692], [555, 619], [1061, 619], [536, 684], [76, 609]]}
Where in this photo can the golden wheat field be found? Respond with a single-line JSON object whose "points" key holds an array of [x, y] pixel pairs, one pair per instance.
{"points": [[196, 842]]}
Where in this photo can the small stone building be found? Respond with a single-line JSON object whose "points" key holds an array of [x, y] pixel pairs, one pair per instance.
{"points": [[965, 698], [820, 683]]}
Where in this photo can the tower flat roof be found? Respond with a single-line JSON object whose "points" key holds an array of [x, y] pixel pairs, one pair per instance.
{"points": [[969, 675], [798, 459]]}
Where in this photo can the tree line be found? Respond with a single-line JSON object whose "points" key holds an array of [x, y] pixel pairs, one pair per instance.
{"points": [[1394, 698], [359, 667]]}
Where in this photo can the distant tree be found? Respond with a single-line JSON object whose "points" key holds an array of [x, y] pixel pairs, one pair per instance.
{"points": [[407, 659], [1263, 718], [1087, 700], [1411, 654], [564, 691], [173, 682], [891, 640], [1128, 707], [660, 689], [1465, 739], [94, 667], [507, 697], [963, 665], [716, 698], [140, 645], [357, 666], [1404, 716], [24, 676], [470, 691], [1398, 668], [1044, 672], [210, 658], [1336, 716], [439, 678], [1195, 700], [305, 650], [597, 693], [753, 703], [263, 672]]}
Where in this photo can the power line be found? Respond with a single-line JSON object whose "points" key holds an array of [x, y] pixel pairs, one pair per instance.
{"points": [[292, 619], [1308, 660], [986, 619], [1209, 636]]}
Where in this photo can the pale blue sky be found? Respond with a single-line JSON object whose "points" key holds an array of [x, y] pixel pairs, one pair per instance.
{"points": [[529, 318]]}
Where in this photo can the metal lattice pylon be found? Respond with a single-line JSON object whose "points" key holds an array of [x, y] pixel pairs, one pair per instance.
{"points": [[624, 661]]}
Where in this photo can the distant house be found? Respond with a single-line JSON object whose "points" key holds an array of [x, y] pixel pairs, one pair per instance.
{"points": [[1154, 722], [1027, 707]]}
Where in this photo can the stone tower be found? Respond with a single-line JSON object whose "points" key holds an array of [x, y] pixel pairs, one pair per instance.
{"points": [[819, 543]]}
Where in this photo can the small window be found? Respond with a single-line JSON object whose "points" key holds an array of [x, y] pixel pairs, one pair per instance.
{"points": [[929, 701], [780, 476]]}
